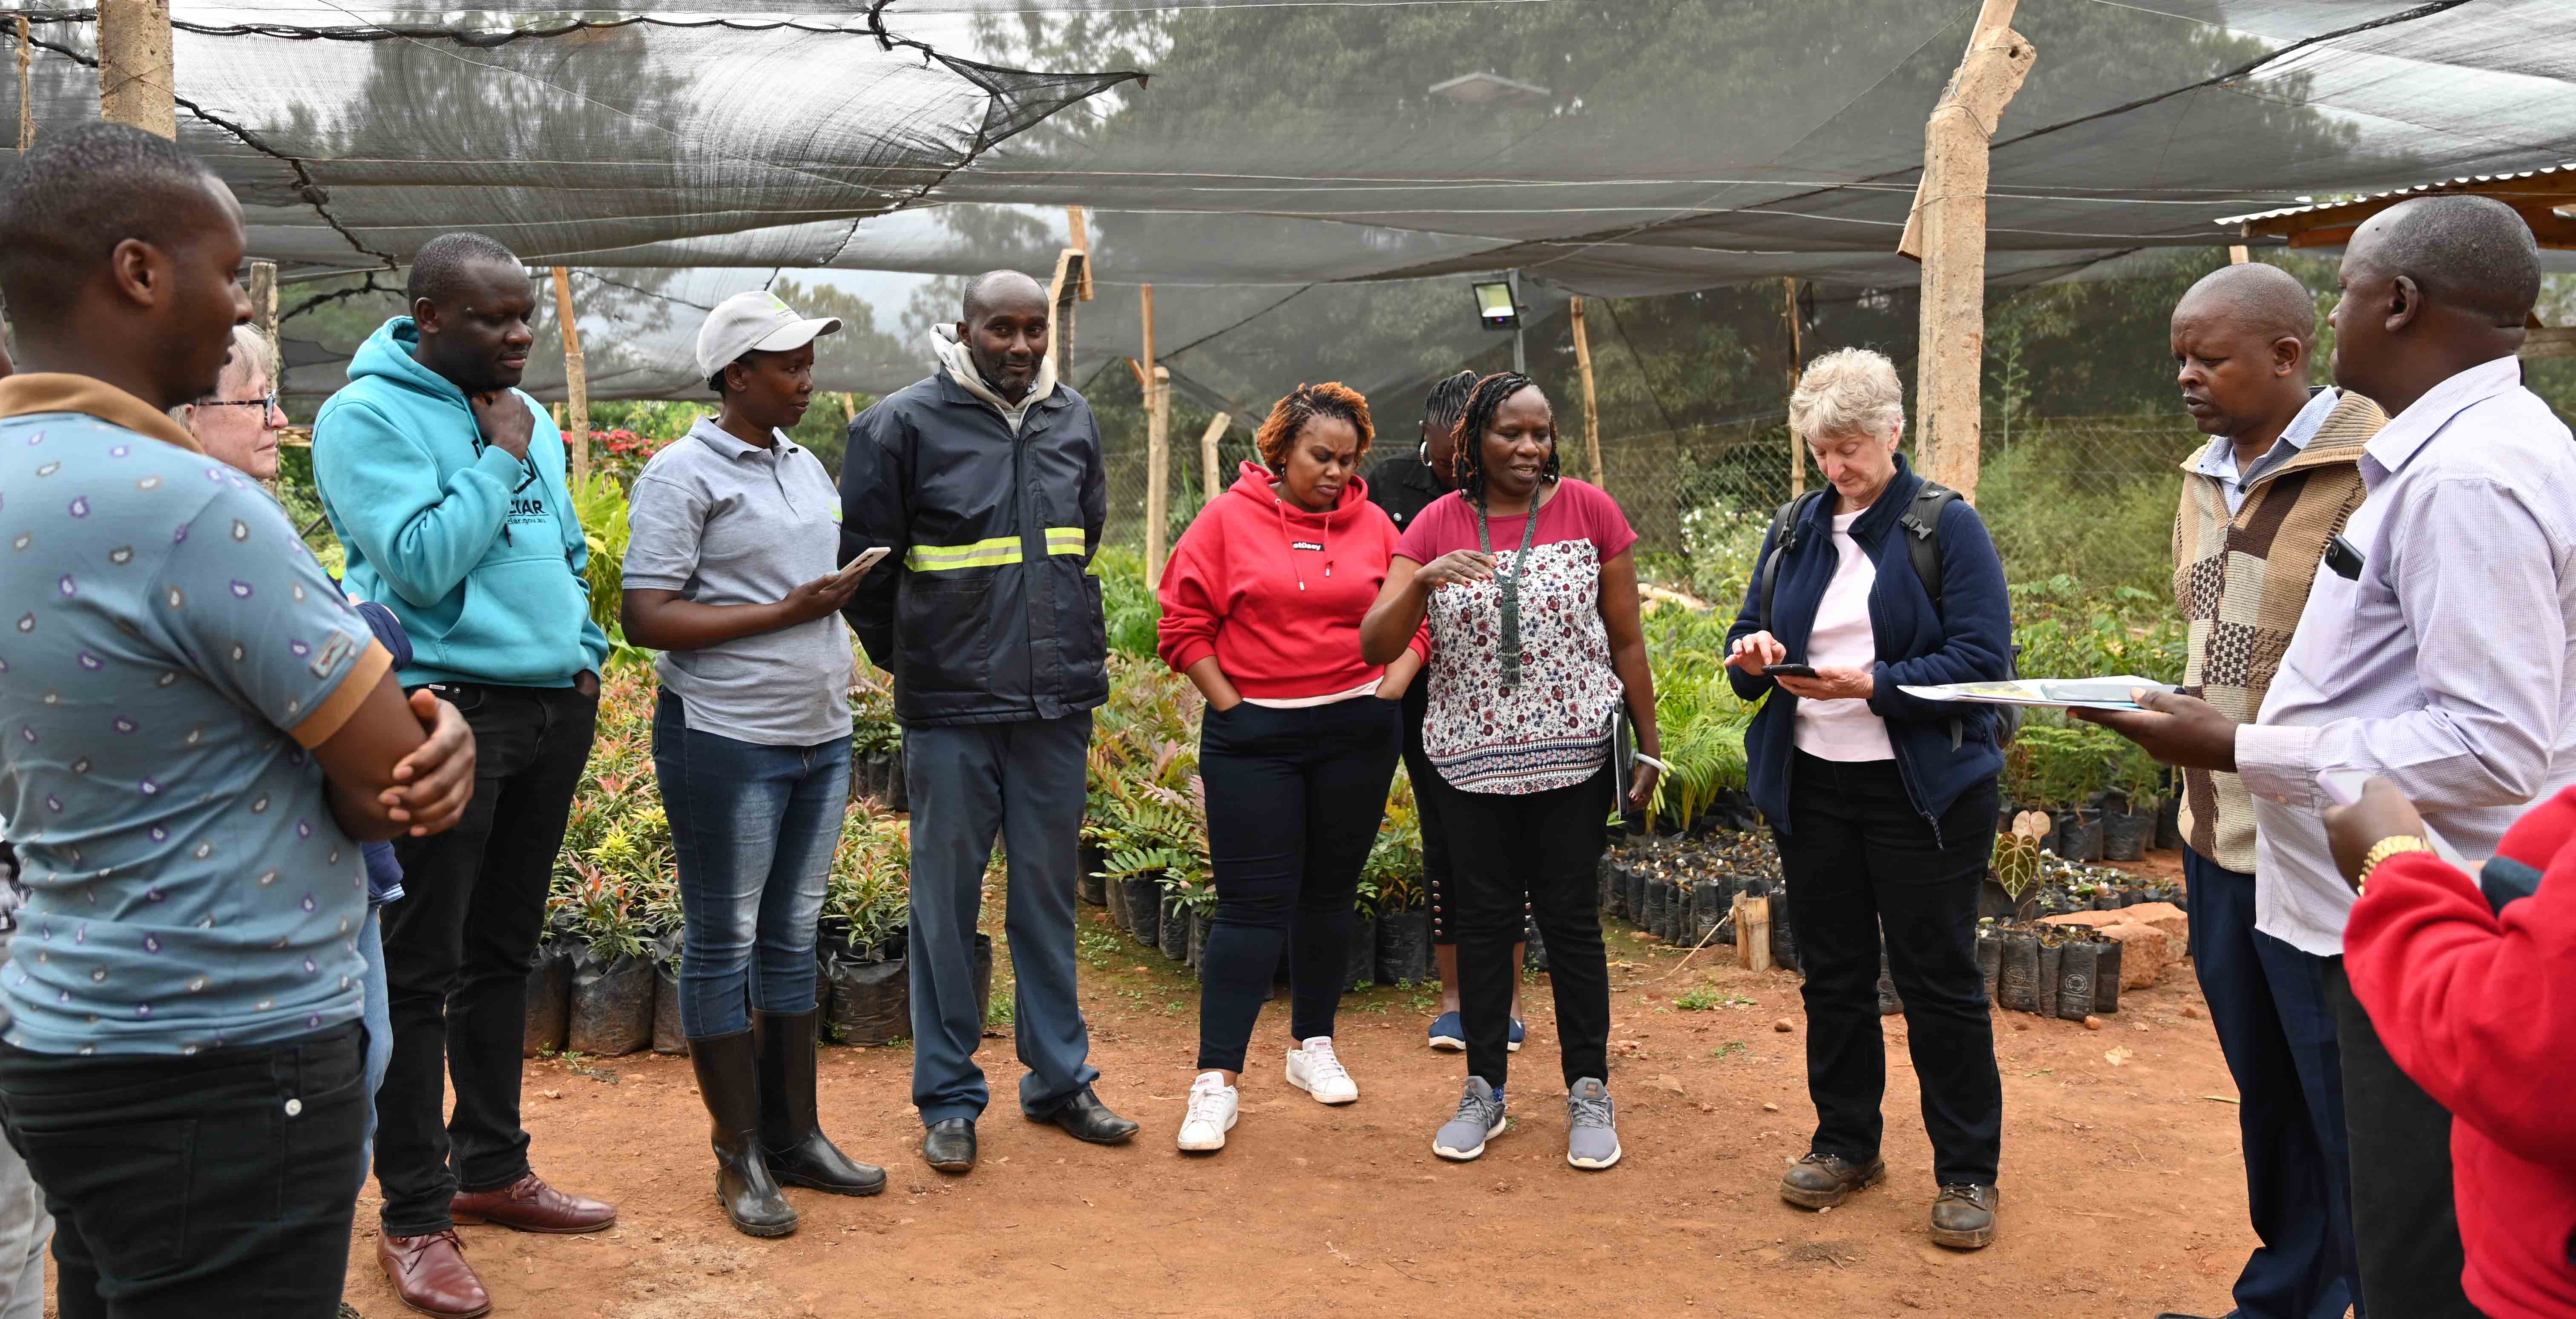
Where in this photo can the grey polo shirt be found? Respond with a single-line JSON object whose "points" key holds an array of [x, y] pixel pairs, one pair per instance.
{"points": [[728, 523]]}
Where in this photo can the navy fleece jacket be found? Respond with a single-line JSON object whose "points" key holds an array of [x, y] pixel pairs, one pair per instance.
{"points": [[1941, 750]]}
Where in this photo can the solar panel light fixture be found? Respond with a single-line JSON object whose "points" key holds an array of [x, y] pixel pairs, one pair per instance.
{"points": [[1495, 306], [1491, 89]]}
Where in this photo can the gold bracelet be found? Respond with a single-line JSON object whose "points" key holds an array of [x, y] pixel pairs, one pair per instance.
{"points": [[2384, 849]]}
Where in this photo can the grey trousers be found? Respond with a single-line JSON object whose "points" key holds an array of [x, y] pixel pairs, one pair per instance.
{"points": [[25, 1227], [1025, 782]]}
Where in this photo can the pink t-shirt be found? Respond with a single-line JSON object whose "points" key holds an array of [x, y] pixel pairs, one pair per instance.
{"points": [[1552, 731]]}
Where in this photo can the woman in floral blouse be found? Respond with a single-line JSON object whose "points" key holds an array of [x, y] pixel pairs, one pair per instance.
{"points": [[1531, 592]]}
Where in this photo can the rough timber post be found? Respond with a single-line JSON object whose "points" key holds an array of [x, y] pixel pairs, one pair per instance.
{"points": [[1947, 233], [135, 83], [1591, 405], [576, 381]]}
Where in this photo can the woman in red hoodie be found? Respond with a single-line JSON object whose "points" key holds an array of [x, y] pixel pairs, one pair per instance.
{"points": [[2472, 986], [1261, 610]]}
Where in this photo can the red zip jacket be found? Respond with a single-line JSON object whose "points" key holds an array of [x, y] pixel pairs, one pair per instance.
{"points": [[2481, 1010], [1277, 593]]}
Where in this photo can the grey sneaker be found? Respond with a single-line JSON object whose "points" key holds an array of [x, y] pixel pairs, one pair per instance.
{"points": [[1480, 1118], [1591, 1125]]}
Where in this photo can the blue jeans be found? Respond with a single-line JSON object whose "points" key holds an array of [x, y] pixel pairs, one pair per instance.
{"points": [[379, 1020], [754, 828], [2276, 1028]]}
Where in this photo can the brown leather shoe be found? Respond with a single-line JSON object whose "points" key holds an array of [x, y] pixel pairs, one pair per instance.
{"points": [[1963, 1216], [430, 1275], [529, 1205], [1821, 1181]]}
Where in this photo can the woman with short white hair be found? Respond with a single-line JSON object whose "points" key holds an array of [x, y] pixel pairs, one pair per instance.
{"points": [[240, 422], [1884, 805]]}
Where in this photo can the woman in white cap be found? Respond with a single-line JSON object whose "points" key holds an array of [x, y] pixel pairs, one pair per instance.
{"points": [[731, 572]]}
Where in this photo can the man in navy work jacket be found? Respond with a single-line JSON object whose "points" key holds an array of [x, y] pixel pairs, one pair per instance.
{"points": [[985, 482]]}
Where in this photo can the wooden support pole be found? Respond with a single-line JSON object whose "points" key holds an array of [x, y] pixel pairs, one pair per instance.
{"points": [[1947, 233], [849, 406], [263, 316], [135, 84], [1797, 446], [1214, 483], [576, 380], [1080, 229], [1158, 444], [1752, 933], [2237, 255], [1072, 272], [26, 86], [1591, 403]]}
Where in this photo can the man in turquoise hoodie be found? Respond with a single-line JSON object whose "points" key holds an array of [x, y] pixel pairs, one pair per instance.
{"points": [[447, 486]]}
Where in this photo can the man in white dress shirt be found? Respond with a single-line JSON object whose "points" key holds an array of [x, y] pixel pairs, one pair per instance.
{"points": [[2440, 661]]}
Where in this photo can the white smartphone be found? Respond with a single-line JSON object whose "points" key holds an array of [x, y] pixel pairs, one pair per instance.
{"points": [[2343, 787], [858, 567]]}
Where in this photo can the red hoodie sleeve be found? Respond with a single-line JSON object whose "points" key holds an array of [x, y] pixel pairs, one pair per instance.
{"points": [[2479, 1009], [1193, 594]]}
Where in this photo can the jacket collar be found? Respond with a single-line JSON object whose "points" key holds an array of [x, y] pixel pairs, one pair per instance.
{"points": [[707, 432], [1875, 520], [2337, 442], [46, 391], [952, 392]]}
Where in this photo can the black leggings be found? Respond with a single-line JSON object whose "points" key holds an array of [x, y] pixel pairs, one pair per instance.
{"points": [[1539, 853], [1293, 802]]}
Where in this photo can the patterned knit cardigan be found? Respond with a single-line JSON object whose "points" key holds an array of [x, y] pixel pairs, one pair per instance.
{"points": [[2242, 584]]}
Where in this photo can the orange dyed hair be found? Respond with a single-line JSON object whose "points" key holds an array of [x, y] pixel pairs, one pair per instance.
{"points": [[1303, 404]]}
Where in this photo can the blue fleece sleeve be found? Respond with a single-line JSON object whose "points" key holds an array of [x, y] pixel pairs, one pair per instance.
{"points": [[874, 491], [389, 631], [419, 533], [1976, 623], [1748, 620]]}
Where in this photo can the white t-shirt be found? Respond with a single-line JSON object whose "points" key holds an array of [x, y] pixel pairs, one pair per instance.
{"points": [[1844, 730]]}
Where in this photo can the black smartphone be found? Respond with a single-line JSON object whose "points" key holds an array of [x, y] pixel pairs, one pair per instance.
{"points": [[1790, 670], [2343, 559]]}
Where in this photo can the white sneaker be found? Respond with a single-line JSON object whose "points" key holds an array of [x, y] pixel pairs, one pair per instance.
{"points": [[1315, 1070], [1211, 1113]]}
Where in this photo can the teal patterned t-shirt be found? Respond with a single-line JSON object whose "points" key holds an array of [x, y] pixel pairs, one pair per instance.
{"points": [[164, 638]]}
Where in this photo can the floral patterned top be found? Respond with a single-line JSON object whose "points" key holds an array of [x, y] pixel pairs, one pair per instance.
{"points": [[1552, 730]]}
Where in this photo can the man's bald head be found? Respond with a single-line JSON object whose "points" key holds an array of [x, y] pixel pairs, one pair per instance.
{"points": [[2472, 253], [999, 290], [2265, 300]]}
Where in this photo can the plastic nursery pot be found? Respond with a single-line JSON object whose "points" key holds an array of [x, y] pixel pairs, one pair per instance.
{"points": [[612, 1005], [2051, 962], [1114, 893], [2169, 825], [1993, 902], [2078, 968], [1638, 870], [1404, 946], [1087, 884], [1144, 909], [668, 1036], [1614, 888], [2079, 834], [871, 1002], [980, 967], [1990, 959], [2017, 972], [2106, 975], [1888, 1003], [1359, 961], [1784, 935], [549, 1001], [2125, 834], [897, 796], [1173, 934], [1198, 938]]}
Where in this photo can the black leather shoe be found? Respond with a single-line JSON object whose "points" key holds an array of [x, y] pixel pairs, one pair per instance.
{"points": [[729, 1082], [1963, 1217], [949, 1146], [1821, 1181], [1088, 1119], [790, 1133]]}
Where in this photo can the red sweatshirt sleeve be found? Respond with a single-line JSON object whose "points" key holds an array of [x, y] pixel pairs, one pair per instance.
{"points": [[2480, 1010], [1192, 595]]}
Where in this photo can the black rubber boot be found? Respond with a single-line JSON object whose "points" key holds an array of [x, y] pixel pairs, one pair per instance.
{"points": [[729, 1081], [791, 1134]]}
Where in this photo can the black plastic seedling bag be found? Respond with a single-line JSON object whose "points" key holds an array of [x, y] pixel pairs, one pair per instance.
{"points": [[2077, 969], [1359, 960], [1088, 885], [1114, 891], [2051, 960], [2169, 825], [2125, 834], [1198, 938], [612, 1005], [2079, 834], [1535, 958], [668, 1037], [2017, 974], [1614, 889], [1784, 933], [2106, 976], [1404, 947], [1888, 1003], [871, 1002], [1173, 933], [549, 1001], [1144, 909], [1990, 960]]}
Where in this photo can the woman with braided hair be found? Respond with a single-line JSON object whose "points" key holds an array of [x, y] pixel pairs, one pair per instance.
{"points": [[1261, 611], [1530, 591]]}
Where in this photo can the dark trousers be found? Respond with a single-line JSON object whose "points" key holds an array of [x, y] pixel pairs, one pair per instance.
{"points": [[2405, 1226], [1858, 860], [2268, 1003], [969, 782], [218, 1184], [457, 952], [1294, 798], [1430, 800], [1547, 846]]}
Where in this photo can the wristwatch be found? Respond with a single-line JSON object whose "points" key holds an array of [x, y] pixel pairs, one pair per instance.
{"points": [[2384, 849]]}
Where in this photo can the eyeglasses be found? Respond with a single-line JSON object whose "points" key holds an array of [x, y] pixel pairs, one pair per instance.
{"points": [[265, 404]]}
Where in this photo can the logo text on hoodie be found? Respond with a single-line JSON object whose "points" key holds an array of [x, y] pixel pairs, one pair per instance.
{"points": [[1316, 546]]}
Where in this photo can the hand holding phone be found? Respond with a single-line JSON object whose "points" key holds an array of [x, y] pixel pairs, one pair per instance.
{"points": [[1789, 670], [2345, 786], [857, 568]]}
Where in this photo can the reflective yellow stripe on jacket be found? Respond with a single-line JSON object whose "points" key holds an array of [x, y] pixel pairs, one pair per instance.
{"points": [[989, 553]]}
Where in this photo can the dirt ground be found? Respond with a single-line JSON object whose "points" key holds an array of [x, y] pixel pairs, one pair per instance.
{"points": [[2122, 1191]]}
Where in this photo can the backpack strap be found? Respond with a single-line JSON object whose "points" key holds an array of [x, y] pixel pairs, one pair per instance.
{"points": [[1784, 537], [1922, 525]]}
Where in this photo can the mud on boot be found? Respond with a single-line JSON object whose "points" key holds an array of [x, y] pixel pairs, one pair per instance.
{"points": [[1821, 1181]]}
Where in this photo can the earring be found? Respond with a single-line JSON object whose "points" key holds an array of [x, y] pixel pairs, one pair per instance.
{"points": [[1422, 453]]}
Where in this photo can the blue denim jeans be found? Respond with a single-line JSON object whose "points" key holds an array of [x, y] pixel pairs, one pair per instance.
{"points": [[379, 1020], [754, 828]]}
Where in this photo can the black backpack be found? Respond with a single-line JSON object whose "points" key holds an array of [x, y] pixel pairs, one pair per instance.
{"points": [[1922, 527]]}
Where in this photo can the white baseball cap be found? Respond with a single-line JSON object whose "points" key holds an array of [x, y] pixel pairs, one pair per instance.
{"points": [[754, 322]]}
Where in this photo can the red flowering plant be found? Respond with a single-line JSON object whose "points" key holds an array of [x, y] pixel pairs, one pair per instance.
{"points": [[622, 453]]}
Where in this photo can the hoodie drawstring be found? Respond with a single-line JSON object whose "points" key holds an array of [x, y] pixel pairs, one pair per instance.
{"points": [[1280, 506]]}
